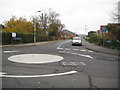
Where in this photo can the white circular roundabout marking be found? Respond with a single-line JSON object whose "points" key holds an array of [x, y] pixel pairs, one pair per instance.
{"points": [[35, 58]]}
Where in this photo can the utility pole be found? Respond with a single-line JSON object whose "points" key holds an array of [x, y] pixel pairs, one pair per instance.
{"points": [[85, 29], [35, 26]]}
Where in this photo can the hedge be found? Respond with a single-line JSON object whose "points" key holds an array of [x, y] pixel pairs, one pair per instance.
{"points": [[6, 38], [26, 38], [114, 44]]}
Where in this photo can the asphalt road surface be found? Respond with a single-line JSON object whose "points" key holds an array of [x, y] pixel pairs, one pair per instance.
{"points": [[70, 67]]}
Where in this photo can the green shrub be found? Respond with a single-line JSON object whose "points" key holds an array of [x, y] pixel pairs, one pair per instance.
{"points": [[7, 38], [114, 44], [93, 38], [26, 38]]}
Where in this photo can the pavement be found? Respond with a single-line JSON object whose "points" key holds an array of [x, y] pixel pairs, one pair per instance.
{"points": [[87, 45], [27, 44], [100, 49]]}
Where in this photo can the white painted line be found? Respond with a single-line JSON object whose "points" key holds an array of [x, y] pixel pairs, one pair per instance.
{"points": [[59, 48], [76, 49], [67, 49], [35, 76], [10, 51], [2, 73], [90, 51], [61, 51], [83, 50], [82, 63], [73, 63], [87, 56]]}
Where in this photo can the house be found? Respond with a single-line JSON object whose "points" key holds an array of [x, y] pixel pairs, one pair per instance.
{"points": [[99, 33], [114, 24], [103, 30], [67, 34]]}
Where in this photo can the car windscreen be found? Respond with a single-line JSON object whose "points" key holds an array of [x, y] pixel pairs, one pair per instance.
{"points": [[76, 38]]}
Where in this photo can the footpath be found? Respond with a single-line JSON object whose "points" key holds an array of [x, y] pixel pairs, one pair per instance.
{"points": [[27, 44], [100, 49]]}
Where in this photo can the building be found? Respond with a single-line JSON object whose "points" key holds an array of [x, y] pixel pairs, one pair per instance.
{"points": [[99, 33], [91, 32], [67, 34], [102, 28], [115, 24]]}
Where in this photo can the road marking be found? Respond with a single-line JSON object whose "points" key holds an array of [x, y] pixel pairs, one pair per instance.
{"points": [[35, 58], [35, 76], [90, 51], [59, 48], [67, 49], [76, 49], [87, 56], [73, 63], [82, 50], [2, 73], [11, 51]]}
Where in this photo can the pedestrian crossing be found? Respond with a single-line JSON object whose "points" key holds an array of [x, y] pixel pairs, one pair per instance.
{"points": [[74, 49]]}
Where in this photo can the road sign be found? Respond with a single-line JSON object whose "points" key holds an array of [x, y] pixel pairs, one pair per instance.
{"points": [[34, 29], [104, 30], [13, 34]]}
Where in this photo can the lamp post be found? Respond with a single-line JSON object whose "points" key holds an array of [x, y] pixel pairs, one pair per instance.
{"points": [[35, 27], [85, 30]]}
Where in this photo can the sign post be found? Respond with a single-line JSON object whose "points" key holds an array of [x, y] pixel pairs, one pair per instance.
{"points": [[13, 36], [103, 31], [35, 32]]}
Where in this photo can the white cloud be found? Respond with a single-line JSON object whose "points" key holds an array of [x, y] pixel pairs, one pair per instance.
{"points": [[75, 14]]}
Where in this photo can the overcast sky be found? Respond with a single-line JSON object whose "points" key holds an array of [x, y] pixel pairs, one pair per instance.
{"points": [[75, 14]]}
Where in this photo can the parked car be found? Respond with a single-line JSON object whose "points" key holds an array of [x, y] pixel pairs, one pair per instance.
{"points": [[77, 41]]}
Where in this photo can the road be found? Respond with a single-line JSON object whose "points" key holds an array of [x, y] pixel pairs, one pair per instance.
{"points": [[76, 67]]}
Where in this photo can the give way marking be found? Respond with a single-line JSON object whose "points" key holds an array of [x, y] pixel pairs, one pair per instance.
{"points": [[36, 76]]}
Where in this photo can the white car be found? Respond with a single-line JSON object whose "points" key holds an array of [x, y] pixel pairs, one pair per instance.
{"points": [[77, 41]]}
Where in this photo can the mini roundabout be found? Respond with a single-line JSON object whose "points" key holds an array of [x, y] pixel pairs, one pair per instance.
{"points": [[31, 59]]}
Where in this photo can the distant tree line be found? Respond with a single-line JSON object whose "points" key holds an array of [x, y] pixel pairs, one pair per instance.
{"points": [[48, 26]]}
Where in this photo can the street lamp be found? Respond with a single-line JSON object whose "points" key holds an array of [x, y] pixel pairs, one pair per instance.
{"points": [[35, 27]]}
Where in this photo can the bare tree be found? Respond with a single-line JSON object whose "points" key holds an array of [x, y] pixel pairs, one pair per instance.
{"points": [[116, 15], [119, 12]]}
